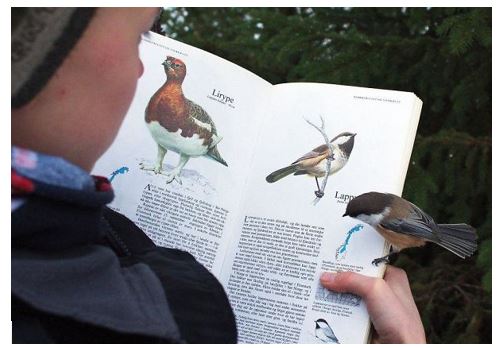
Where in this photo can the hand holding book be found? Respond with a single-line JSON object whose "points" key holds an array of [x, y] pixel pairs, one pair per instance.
{"points": [[389, 301]]}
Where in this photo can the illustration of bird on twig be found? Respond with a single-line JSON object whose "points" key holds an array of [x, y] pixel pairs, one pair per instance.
{"points": [[322, 161], [324, 332]]}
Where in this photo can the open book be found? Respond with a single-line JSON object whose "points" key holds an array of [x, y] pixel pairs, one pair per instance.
{"points": [[214, 160]]}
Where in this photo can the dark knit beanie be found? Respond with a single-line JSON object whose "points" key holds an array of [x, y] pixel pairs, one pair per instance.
{"points": [[41, 38]]}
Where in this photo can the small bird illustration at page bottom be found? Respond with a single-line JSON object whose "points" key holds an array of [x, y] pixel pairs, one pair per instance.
{"points": [[324, 332]]}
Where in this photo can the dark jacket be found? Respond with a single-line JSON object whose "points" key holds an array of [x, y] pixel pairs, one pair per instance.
{"points": [[82, 273]]}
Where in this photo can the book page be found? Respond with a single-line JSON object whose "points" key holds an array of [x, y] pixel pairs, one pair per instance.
{"points": [[286, 241], [193, 210]]}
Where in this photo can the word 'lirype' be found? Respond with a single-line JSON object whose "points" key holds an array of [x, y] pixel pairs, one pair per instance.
{"points": [[222, 97]]}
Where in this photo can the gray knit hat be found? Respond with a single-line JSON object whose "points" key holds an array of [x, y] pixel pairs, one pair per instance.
{"points": [[41, 38]]}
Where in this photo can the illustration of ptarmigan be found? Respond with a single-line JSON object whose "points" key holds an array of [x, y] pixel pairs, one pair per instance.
{"points": [[178, 124]]}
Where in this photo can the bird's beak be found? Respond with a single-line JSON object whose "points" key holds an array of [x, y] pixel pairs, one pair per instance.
{"points": [[353, 136], [345, 214]]}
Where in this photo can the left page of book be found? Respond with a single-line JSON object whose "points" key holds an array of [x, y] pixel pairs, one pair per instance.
{"points": [[180, 159]]}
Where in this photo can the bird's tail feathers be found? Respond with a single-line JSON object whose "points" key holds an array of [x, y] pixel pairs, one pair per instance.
{"points": [[463, 231], [301, 172], [460, 239], [216, 156], [281, 173]]}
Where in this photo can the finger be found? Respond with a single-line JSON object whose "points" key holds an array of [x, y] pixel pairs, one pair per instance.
{"points": [[397, 280], [390, 317]]}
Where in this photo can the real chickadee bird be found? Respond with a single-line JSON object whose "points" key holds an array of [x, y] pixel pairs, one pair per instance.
{"points": [[324, 332], [404, 225], [313, 163]]}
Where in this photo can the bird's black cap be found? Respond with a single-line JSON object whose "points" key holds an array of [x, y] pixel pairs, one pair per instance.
{"points": [[368, 203], [320, 321]]}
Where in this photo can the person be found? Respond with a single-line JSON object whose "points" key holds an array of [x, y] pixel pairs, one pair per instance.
{"points": [[80, 272]]}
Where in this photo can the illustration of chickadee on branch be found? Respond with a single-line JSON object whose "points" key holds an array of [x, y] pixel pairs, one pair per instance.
{"points": [[322, 161], [324, 333]]}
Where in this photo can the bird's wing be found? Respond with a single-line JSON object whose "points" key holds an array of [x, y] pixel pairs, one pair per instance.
{"points": [[200, 115], [330, 334], [320, 151], [417, 224]]}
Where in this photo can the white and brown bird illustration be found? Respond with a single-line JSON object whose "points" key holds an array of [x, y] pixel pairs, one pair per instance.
{"points": [[178, 124], [313, 163]]}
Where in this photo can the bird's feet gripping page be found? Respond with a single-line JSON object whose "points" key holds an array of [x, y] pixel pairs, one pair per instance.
{"points": [[384, 259]]}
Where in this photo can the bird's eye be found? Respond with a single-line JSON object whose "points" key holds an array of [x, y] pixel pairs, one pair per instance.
{"points": [[177, 65]]}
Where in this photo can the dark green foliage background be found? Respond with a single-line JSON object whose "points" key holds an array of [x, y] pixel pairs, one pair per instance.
{"points": [[444, 56]]}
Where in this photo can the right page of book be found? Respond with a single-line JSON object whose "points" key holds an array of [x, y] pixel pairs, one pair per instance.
{"points": [[288, 235]]}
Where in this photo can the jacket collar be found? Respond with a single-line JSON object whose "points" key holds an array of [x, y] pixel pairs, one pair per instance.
{"points": [[57, 204], [36, 174], [58, 263]]}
